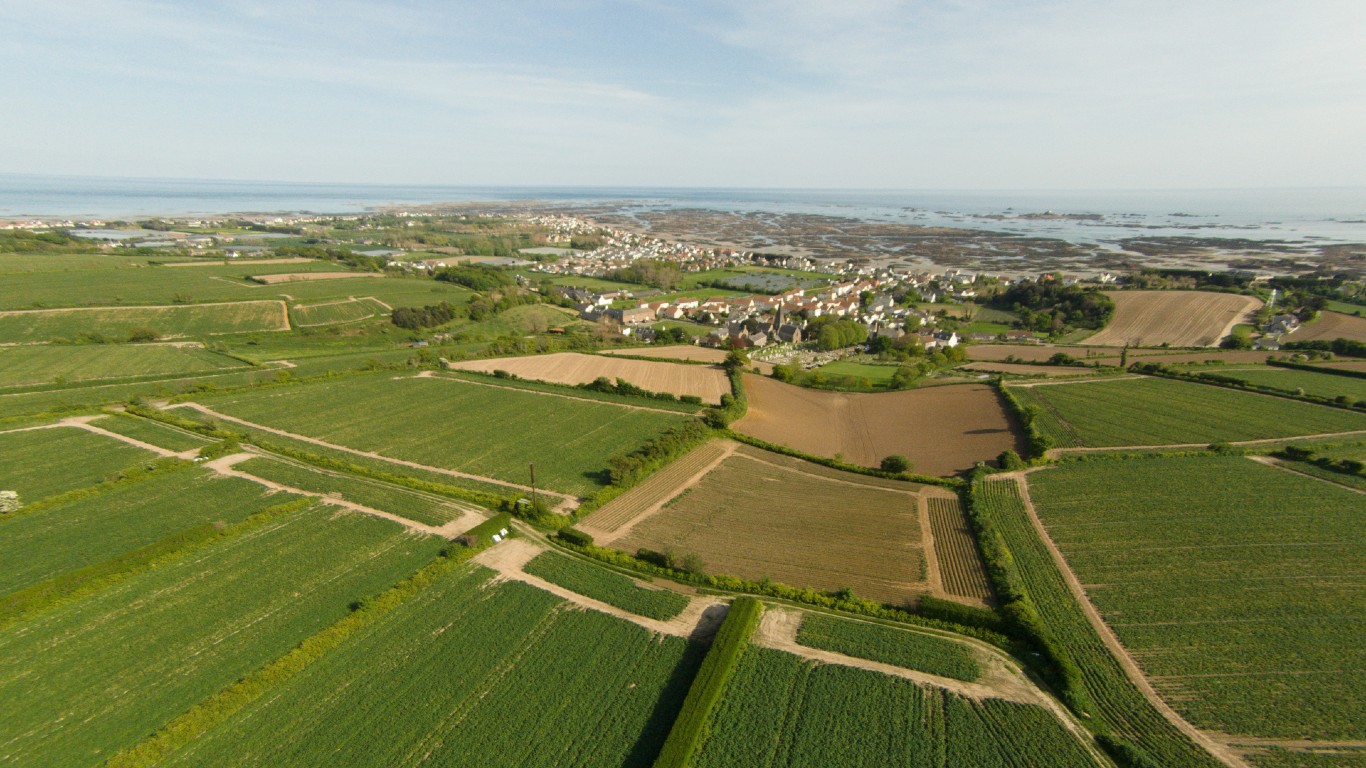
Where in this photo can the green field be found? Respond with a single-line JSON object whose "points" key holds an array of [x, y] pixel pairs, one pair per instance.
{"points": [[1120, 706], [371, 493], [878, 376], [335, 312], [45, 462], [889, 645], [608, 586], [1237, 585], [781, 710], [81, 263], [484, 430], [59, 364], [1153, 411], [47, 543], [469, 674], [150, 432], [117, 323], [124, 661], [1288, 379]]}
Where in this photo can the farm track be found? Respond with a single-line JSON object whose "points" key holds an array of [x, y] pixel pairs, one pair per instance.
{"points": [[1273, 462], [566, 504], [432, 375], [698, 621], [224, 466], [619, 516], [1219, 750]]}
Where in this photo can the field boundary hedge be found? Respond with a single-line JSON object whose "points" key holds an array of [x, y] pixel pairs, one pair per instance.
{"points": [[1317, 369], [1038, 442], [694, 718], [79, 583], [222, 705], [943, 482]]}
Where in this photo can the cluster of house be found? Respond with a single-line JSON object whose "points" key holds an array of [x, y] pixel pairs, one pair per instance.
{"points": [[756, 321]]}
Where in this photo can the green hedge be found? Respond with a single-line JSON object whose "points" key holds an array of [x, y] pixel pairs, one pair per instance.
{"points": [[1038, 442], [690, 728]]}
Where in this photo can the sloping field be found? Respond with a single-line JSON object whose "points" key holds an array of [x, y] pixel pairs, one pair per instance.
{"points": [[469, 673], [1153, 411], [43, 364], [298, 277], [1175, 318], [996, 353], [755, 519], [45, 462], [444, 422], [574, 368], [98, 674], [117, 322], [333, 312], [942, 430], [1329, 326], [1290, 379], [1236, 586], [782, 710]]}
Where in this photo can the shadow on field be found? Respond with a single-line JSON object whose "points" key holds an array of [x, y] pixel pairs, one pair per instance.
{"points": [[646, 748]]}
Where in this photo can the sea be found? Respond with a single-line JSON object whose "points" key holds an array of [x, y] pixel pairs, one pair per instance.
{"points": [[1307, 216]]}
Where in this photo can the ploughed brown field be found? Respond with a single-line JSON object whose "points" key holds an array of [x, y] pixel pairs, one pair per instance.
{"points": [[1175, 318], [942, 430], [573, 368], [686, 352], [294, 277], [761, 515], [1329, 326]]}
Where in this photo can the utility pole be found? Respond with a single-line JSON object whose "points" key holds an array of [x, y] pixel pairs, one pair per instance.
{"points": [[533, 488]]}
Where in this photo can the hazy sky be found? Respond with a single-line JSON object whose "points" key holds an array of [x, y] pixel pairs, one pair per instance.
{"points": [[751, 93]]}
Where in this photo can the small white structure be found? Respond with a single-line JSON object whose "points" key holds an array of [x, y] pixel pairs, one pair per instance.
{"points": [[9, 501], [497, 538]]}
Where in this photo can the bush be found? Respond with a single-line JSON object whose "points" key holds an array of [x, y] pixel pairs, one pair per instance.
{"points": [[896, 463], [575, 537]]}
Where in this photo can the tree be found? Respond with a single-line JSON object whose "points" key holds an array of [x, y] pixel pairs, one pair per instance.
{"points": [[896, 463], [735, 360]]}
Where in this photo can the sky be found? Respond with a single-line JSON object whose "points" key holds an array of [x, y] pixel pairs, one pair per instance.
{"points": [[823, 94]]}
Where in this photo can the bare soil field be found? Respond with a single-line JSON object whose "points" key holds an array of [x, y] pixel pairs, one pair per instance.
{"points": [[942, 430], [1329, 326], [1176, 318], [686, 352], [1025, 369], [753, 518], [573, 368], [294, 277]]}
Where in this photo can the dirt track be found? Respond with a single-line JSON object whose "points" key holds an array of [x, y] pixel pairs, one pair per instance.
{"points": [[1176, 318], [942, 430], [296, 277], [573, 368]]}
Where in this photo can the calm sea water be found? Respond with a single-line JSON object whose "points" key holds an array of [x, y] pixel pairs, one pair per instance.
{"points": [[1334, 215]]}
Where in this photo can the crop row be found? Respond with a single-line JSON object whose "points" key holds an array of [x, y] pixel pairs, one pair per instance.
{"points": [[124, 661], [608, 586], [504, 678], [45, 462], [119, 323], [44, 364], [899, 647], [1152, 411], [370, 493], [1233, 583], [655, 489], [960, 565], [334, 312], [484, 430], [1120, 707], [783, 711]]}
